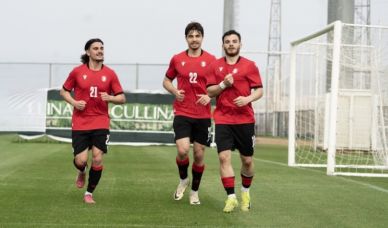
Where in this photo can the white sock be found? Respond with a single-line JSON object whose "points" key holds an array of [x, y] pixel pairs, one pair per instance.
{"points": [[232, 196], [184, 180], [244, 189], [88, 193]]}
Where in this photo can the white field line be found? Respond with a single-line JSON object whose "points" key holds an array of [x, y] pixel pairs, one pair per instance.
{"points": [[371, 186]]}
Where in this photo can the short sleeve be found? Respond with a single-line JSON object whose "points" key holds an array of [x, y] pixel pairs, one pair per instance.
{"points": [[70, 81], [254, 76], [171, 71], [116, 86], [210, 75]]}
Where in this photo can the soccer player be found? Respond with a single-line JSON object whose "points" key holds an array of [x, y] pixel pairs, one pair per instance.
{"points": [[191, 108], [235, 82], [94, 86]]}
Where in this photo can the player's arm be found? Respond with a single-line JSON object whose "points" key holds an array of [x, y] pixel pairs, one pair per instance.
{"points": [[256, 94], [80, 105], [203, 99], [215, 90], [167, 84], [115, 99]]}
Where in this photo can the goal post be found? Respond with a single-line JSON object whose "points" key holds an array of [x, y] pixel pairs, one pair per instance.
{"points": [[338, 100]]}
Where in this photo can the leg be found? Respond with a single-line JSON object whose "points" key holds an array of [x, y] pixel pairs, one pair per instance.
{"points": [[80, 162], [247, 166], [197, 171], [227, 177], [245, 135], [182, 158], [96, 169], [198, 165], [225, 145], [246, 179], [182, 130], [80, 144], [226, 170], [182, 161], [95, 173], [99, 140]]}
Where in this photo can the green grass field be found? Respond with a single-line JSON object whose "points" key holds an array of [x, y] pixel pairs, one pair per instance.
{"points": [[37, 190]]}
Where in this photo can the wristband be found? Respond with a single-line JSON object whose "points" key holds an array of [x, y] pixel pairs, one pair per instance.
{"points": [[222, 85]]}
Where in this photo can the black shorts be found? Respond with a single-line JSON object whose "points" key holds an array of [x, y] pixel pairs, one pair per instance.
{"points": [[236, 136], [198, 130], [81, 140]]}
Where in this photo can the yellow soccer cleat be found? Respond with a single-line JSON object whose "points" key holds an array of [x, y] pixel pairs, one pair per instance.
{"points": [[245, 201], [230, 204]]}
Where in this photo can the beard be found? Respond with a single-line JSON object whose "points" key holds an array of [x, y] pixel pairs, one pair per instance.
{"points": [[98, 59], [232, 53], [195, 46]]}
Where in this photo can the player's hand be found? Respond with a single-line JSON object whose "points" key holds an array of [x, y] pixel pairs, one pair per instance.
{"points": [[105, 97], [203, 99], [80, 105], [241, 101], [180, 95], [228, 80]]}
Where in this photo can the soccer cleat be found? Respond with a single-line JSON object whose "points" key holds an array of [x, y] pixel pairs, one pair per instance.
{"points": [[183, 184], [194, 199], [89, 199], [230, 204], [245, 201], [80, 181]]}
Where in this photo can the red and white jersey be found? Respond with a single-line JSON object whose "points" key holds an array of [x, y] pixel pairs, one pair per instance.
{"points": [[87, 85], [246, 76], [191, 74]]}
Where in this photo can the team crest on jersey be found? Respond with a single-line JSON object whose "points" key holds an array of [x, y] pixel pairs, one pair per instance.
{"points": [[220, 68], [103, 78], [183, 63], [203, 64], [84, 76], [235, 70]]}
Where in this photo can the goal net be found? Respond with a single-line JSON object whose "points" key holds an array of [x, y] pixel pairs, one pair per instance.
{"points": [[338, 114]]}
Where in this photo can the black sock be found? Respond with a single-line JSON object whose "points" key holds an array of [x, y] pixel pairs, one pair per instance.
{"points": [[229, 190], [182, 167], [228, 183], [94, 177], [197, 172]]}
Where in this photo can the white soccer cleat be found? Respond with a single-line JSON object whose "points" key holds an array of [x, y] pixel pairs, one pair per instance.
{"points": [[194, 199], [180, 190]]}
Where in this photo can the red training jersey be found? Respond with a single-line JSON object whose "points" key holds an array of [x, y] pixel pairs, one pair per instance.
{"points": [[191, 74], [246, 76], [87, 85]]}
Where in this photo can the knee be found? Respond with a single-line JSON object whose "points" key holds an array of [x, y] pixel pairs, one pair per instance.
{"points": [[223, 158], [248, 162], [199, 155], [97, 160], [183, 151], [80, 160]]}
